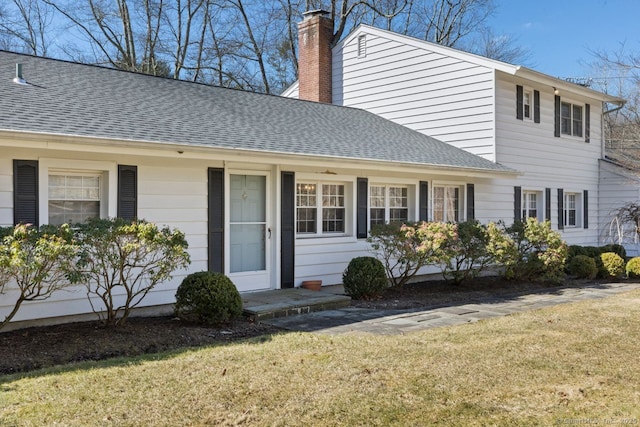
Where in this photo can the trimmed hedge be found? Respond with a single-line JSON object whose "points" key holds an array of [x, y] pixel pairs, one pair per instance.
{"points": [[583, 267], [364, 278], [612, 265], [633, 268], [208, 297]]}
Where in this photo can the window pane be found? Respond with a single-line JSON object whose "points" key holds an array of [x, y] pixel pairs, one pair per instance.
{"points": [[306, 194], [438, 204], [377, 197], [577, 120], [377, 216], [73, 198], [451, 204], [397, 197], [398, 215], [333, 220], [306, 221], [565, 118], [527, 105]]}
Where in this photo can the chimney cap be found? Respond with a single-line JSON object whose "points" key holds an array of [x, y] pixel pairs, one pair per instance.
{"points": [[311, 13]]}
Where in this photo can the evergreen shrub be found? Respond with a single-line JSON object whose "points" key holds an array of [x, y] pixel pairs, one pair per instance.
{"points": [[208, 297], [364, 278]]}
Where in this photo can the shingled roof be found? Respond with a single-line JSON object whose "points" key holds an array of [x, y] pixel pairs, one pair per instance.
{"points": [[65, 98]]}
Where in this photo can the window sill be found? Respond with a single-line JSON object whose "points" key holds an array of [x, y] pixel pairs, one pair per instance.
{"points": [[325, 239]]}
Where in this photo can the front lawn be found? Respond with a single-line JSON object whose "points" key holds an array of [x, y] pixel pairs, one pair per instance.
{"points": [[564, 364]]}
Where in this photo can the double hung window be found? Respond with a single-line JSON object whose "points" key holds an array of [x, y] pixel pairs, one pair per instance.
{"points": [[388, 204], [320, 208], [74, 198], [571, 119], [446, 203]]}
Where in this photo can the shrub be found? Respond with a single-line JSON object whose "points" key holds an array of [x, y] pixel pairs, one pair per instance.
{"points": [[208, 297], [583, 267], [405, 249], [120, 262], [615, 248], [612, 265], [528, 250], [364, 278], [633, 268], [37, 260], [467, 255]]}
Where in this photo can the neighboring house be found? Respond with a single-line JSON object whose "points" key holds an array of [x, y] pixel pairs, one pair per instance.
{"points": [[546, 128], [269, 190]]}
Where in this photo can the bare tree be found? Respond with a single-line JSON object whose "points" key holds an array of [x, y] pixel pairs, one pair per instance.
{"points": [[25, 25]]}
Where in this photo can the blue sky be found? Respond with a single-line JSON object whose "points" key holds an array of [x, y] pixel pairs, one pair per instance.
{"points": [[560, 33]]}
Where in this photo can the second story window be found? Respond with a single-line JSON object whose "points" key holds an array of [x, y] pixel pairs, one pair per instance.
{"points": [[571, 119]]}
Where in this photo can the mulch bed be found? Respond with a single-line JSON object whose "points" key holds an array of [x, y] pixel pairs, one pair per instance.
{"points": [[39, 347]]}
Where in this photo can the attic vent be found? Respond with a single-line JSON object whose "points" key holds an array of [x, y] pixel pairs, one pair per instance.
{"points": [[18, 79], [362, 46]]}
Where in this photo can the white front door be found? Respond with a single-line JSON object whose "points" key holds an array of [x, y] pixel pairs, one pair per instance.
{"points": [[249, 232]]}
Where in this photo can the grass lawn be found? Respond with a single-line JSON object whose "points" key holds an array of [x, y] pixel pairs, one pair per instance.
{"points": [[570, 364]]}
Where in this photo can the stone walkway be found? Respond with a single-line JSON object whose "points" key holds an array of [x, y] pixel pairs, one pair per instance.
{"points": [[388, 322]]}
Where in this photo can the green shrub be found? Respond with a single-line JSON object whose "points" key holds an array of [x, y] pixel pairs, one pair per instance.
{"points": [[121, 261], [583, 267], [405, 248], [528, 250], [615, 248], [467, 255], [208, 297], [633, 268], [364, 278], [612, 265]]}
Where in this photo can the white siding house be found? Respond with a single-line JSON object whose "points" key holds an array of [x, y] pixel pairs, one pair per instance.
{"points": [[268, 190], [547, 129]]}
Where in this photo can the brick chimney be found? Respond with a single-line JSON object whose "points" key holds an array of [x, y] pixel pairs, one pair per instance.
{"points": [[314, 63]]}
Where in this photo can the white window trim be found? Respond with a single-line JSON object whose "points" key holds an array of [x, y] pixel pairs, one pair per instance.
{"points": [[579, 209], [411, 199], [527, 90], [108, 170], [541, 202], [462, 198], [349, 209], [573, 103]]}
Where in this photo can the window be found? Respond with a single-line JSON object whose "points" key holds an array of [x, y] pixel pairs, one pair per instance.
{"points": [[571, 210], [533, 205], [73, 198], [526, 104], [571, 119], [388, 204], [324, 201], [446, 203]]}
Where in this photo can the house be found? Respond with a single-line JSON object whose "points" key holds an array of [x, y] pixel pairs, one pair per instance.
{"points": [[269, 190], [548, 129]]}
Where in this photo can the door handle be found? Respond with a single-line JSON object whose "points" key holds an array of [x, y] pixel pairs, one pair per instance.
{"points": [[269, 230]]}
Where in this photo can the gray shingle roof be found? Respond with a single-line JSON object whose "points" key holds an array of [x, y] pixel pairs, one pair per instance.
{"points": [[66, 98]]}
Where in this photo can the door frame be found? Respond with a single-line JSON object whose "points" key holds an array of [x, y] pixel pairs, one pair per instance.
{"points": [[270, 236]]}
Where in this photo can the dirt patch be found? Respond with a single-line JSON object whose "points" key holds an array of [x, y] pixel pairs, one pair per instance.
{"points": [[34, 348]]}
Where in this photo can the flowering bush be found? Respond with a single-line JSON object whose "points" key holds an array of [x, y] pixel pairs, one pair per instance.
{"points": [[467, 255], [404, 249], [528, 250], [37, 260]]}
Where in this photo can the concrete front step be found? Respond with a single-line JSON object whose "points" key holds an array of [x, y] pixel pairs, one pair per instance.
{"points": [[288, 302]]}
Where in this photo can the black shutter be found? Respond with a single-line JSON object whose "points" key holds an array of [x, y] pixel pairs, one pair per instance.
{"points": [[361, 217], [519, 102], [471, 202], [288, 229], [536, 106], [547, 204], [585, 206], [556, 116], [424, 201], [560, 209], [517, 204], [587, 123], [25, 192], [216, 220], [127, 192]]}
